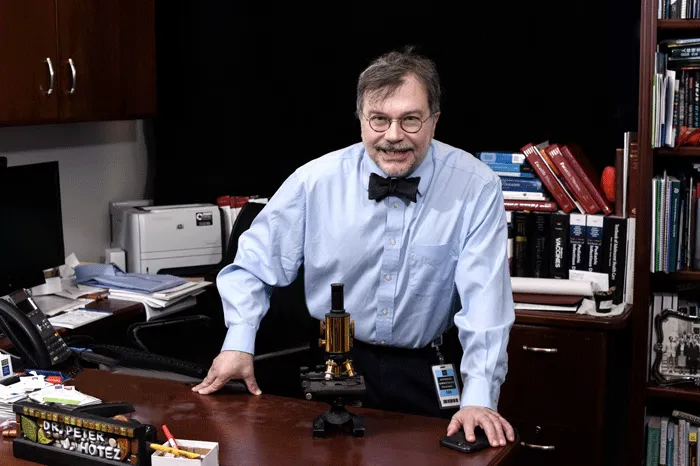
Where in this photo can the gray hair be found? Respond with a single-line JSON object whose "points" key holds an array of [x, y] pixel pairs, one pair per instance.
{"points": [[387, 72]]}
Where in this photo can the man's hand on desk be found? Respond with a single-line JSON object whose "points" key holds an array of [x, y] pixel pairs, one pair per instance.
{"points": [[497, 429], [226, 366]]}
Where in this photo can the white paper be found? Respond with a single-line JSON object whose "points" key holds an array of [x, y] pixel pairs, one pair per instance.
{"points": [[588, 307], [551, 286], [76, 291], [599, 280], [53, 304], [52, 285], [544, 307], [77, 318]]}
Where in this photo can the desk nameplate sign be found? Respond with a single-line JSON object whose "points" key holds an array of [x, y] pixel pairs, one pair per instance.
{"points": [[49, 434]]}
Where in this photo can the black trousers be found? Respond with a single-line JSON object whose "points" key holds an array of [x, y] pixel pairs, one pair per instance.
{"points": [[399, 379]]}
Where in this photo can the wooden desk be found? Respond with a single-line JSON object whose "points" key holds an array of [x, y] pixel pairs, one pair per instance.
{"points": [[271, 430]]}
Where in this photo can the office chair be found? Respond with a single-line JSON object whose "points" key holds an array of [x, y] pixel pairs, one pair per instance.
{"points": [[187, 344], [287, 323]]}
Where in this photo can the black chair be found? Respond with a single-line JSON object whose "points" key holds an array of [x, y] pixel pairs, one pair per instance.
{"points": [[284, 339], [287, 323]]}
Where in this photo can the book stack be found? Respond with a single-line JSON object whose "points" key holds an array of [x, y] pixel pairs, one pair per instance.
{"points": [[672, 439], [676, 90], [674, 226], [560, 220], [522, 188]]}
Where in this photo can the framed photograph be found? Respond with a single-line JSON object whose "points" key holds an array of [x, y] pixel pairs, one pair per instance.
{"points": [[677, 348]]}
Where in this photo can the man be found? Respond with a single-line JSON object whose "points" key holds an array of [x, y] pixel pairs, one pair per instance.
{"points": [[404, 255]]}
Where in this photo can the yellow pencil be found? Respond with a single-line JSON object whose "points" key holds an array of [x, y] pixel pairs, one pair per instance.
{"points": [[175, 451]]}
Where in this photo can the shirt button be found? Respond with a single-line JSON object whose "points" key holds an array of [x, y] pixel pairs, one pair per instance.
{"points": [[382, 342], [385, 312], [392, 242], [396, 205], [388, 277]]}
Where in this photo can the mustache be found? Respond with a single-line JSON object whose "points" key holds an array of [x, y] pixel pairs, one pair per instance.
{"points": [[395, 147]]}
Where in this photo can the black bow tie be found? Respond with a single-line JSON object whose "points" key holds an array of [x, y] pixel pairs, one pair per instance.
{"points": [[380, 187]]}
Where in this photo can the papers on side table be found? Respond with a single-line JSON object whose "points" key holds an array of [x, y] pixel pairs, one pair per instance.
{"points": [[77, 318]]}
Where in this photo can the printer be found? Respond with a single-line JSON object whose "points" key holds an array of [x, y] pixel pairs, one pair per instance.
{"points": [[173, 236]]}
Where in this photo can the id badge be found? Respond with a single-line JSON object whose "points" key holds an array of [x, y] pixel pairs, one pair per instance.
{"points": [[446, 385]]}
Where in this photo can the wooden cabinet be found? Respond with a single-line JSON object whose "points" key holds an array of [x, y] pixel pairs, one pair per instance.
{"points": [[77, 60], [564, 378], [28, 57]]}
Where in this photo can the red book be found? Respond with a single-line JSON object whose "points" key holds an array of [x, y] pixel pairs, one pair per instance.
{"points": [[550, 181], [585, 171], [572, 182]]}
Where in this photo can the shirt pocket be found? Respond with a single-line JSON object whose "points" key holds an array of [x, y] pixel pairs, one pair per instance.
{"points": [[432, 268]]}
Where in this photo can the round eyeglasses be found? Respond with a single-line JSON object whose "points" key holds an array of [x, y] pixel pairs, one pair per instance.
{"points": [[410, 124]]}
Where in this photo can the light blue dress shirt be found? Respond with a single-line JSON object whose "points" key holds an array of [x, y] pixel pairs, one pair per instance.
{"points": [[402, 263]]}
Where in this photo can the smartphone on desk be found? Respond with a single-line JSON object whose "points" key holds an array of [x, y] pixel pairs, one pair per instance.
{"points": [[459, 442]]}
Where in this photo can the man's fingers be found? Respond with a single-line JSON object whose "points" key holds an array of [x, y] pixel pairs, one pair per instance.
{"points": [[454, 426], [487, 424], [252, 385], [214, 386], [510, 432], [498, 426], [468, 425], [206, 382]]}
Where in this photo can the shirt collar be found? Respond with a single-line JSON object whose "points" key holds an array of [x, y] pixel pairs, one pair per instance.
{"points": [[424, 170]]}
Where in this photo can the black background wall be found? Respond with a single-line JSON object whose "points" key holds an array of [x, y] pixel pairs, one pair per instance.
{"points": [[246, 98]]}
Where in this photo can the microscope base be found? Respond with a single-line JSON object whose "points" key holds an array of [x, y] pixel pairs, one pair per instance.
{"points": [[338, 416]]}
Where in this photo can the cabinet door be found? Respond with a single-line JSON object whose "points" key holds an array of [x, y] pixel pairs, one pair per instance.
{"points": [[554, 392], [28, 54], [107, 53]]}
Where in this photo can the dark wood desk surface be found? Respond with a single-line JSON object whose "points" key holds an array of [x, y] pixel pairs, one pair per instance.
{"points": [[276, 430]]}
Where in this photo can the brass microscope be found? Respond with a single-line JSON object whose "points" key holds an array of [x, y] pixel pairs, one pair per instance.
{"points": [[336, 381]]}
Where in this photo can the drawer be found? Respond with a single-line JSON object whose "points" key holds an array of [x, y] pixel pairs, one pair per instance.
{"points": [[556, 376], [550, 444]]}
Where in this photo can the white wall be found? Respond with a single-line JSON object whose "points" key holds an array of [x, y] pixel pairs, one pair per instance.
{"points": [[98, 163]]}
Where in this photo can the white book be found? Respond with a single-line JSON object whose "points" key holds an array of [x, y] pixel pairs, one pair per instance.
{"points": [[523, 195], [629, 265], [663, 440]]}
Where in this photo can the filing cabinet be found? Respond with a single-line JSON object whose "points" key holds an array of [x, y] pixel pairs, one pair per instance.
{"points": [[563, 389]]}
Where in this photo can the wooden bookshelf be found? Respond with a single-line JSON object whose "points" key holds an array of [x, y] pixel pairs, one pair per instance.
{"points": [[645, 394], [650, 27], [684, 392], [682, 276], [678, 24], [686, 151]]}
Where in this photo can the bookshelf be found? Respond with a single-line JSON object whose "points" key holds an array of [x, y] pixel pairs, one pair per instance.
{"points": [[645, 394], [682, 276], [681, 151], [678, 24], [680, 393]]}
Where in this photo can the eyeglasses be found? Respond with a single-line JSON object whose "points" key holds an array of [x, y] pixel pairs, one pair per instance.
{"points": [[410, 124]]}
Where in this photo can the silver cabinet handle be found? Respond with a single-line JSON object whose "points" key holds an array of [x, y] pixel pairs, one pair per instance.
{"points": [[51, 76], [72, 71], [535, 349], [537, 447]]}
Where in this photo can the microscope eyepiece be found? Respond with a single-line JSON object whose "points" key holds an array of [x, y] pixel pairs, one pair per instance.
{"points": [[337, 304]]}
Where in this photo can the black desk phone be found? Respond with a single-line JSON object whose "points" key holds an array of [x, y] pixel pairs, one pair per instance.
{"points": [[35, 339]]}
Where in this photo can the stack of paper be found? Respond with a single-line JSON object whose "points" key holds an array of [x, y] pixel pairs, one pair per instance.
{"points": [[164, 298], [166, 302], [10, 394], [64, 395]]}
